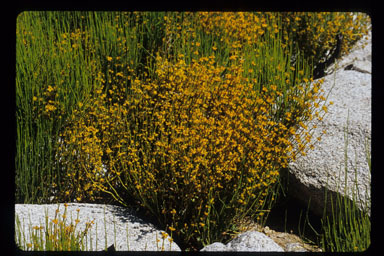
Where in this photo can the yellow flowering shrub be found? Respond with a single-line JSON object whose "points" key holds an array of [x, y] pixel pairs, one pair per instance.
{"points": [[196, 148]]}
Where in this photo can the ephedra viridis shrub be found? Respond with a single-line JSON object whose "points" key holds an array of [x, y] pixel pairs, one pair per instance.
{"points": [[197, 139], [198, 149]]}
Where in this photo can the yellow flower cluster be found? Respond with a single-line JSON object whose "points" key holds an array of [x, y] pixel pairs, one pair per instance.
{"points": [[315, 32], [70, 42], [47, 104], [58, 235], [246, 27]]}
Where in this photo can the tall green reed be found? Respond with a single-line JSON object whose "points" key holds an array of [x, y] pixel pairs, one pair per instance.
{"points": [[346, 223], [58, 55], [34, 133], [348, 227]]}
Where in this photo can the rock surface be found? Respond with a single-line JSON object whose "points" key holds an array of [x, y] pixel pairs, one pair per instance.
{"points": [[216, 247], [141, 236], [349, 85], [250, 241], [254, 241], [294, 247]]}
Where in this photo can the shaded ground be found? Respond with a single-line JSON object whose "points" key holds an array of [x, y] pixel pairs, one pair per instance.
{"points": [[291, 222], [287, 224]]}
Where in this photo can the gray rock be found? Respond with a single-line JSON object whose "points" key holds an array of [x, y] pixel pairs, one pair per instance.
{"points": [[294, 247], [325, 167], [254, 241], [250, 241], [216, 247], [108, 219]]}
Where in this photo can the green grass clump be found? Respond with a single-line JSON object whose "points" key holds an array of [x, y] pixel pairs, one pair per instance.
{"points": [[346, 224], [348, 227]]}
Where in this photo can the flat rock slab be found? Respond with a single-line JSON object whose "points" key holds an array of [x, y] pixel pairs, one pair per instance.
{"points": [[110, 226], [342, 151]]}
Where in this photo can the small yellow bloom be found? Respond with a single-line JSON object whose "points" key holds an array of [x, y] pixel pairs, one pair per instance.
{"points": [[109, 58], [49, 108], [50, 88], [233, 57], [164, 235]]}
